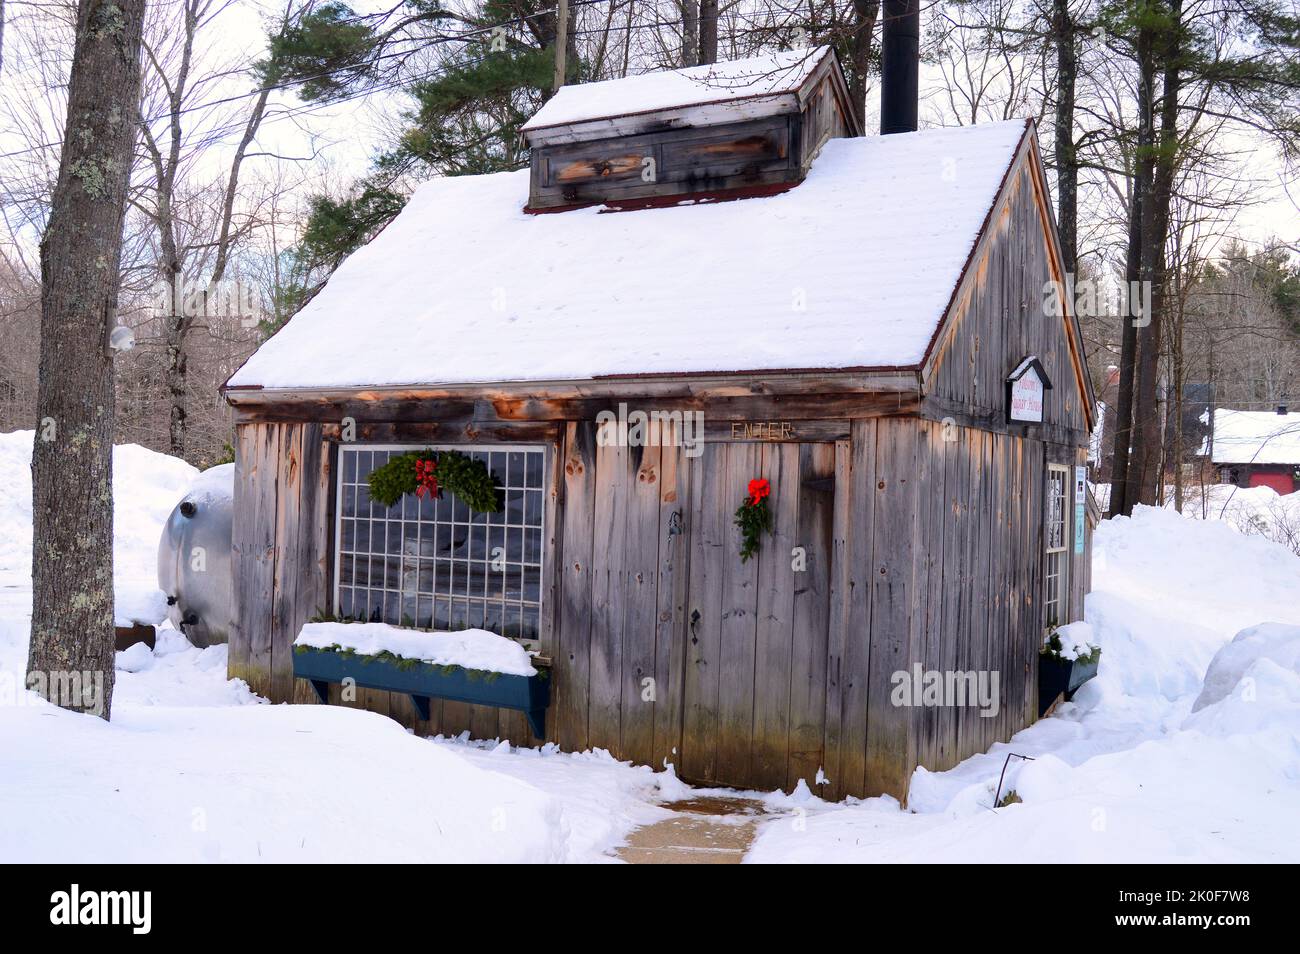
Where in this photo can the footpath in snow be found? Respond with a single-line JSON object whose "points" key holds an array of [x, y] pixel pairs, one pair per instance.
{"points": [[1151, 762]]}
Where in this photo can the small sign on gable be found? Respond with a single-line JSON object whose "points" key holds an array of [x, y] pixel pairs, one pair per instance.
{"points": [[1026, 387]]}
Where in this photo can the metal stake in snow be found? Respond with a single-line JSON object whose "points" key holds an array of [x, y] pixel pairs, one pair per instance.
{"points": [[1010, 755]]}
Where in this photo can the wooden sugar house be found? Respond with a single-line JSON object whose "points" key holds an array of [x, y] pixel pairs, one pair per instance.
{"points": [[870, 324]]}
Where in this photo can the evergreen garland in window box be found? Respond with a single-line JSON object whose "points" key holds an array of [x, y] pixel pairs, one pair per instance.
{"points": [[431, 472]]}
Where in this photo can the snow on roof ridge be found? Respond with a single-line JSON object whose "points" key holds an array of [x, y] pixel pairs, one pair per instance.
{"points": [[766, 74]]}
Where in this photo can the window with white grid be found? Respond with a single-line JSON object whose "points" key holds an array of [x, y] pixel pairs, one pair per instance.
{"points": [[1056, 535], [434, 563]]}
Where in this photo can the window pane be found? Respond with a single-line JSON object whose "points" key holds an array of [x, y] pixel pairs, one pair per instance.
{"points": [[429, 562], [533, 471]]}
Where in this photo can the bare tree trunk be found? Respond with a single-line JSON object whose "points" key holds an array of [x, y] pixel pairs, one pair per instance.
{"points": [[176, 324], [2, 35], [708, 31], [1179, 374], [1067, 163], [72, 461], [1123, 491], [690, 33], [1155, 270], [865, 13]]}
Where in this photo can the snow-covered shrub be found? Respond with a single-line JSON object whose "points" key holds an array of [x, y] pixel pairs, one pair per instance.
{"points": [[1073, 642]]}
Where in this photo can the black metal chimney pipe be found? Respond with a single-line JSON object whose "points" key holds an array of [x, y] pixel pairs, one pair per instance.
{"points": [[900, 58]]}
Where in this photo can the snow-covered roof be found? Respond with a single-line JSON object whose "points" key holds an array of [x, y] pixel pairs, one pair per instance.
{"points": [[767, 76], [1256, 437], [853, 268]]}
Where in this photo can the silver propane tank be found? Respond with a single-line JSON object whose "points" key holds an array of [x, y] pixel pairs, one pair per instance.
{"points": [[194, 558]]}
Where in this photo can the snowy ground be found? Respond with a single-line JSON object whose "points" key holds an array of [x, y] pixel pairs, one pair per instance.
{"points": [[192, 768], [1127, 772]]}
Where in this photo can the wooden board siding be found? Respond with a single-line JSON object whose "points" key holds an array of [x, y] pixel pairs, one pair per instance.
{"points": [[921, 541], [714, 147], [280, 549], [755, 690], [825, 116], [710, 159], [998, 319]]}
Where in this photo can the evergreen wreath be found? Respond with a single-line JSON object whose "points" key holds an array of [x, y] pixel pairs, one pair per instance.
{"points": [[431, 472], [754, 518]]}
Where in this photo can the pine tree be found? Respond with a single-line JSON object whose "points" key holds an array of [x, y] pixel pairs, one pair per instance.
{"points": [[494, 69]]}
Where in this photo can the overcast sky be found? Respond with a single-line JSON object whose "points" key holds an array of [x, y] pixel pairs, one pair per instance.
{"points": [[345, 137]]}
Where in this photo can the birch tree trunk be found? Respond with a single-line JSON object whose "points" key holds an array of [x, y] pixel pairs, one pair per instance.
{"points": [[690, 32], [72, 460]]}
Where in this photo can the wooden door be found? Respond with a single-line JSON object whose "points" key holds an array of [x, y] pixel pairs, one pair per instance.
{"points": [[754, 706]]}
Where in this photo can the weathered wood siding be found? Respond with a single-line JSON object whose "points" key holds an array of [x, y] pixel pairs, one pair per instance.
{"points": [[999, 317], [681, 158], [904, 542], [281, 559], [670, 162]]}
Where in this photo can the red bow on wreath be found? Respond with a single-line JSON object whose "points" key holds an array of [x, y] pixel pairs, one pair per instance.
{"points": [[758, 489], [426, 480]]}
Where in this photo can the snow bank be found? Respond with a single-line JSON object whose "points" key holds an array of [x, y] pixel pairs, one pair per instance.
{"points": [[1207, 572], [146, 485], [1278, 643], [467, 648], [256, 784], [1183, 748], [603, 798], [1257, 511]]}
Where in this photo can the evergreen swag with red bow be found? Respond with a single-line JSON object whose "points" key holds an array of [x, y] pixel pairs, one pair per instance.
{"points": [[754, 517], [431, 472]]}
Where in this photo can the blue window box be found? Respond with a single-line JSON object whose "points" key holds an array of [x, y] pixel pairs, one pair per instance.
{"points": [[422, 682], [1057, 676]]}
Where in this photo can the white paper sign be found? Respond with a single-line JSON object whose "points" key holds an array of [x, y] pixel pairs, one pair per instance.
{"points": [[1027, 397]]}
